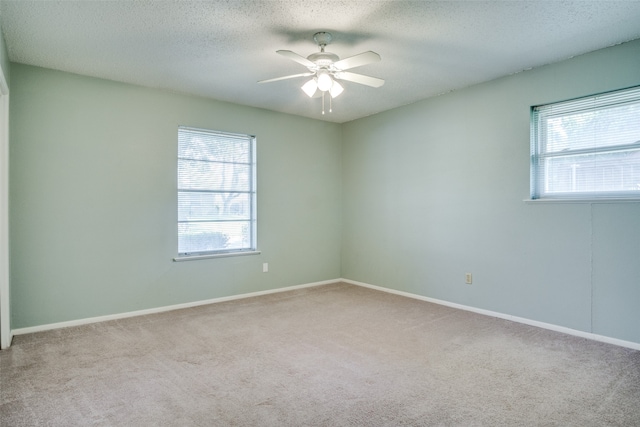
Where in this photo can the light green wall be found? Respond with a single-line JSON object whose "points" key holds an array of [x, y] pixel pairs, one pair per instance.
{"points": [[93, 199], [409, 199], [435, 189]]}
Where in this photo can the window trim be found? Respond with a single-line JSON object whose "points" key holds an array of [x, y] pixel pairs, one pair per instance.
{"points": [[253, 233], [583, 200], [215, 255], [574, 105]]}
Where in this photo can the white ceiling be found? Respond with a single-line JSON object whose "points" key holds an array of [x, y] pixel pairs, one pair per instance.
{"points": [[220, 49]]}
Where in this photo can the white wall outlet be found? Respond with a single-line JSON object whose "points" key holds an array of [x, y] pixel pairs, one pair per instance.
{"points": [[468, 279], [265, 267]]}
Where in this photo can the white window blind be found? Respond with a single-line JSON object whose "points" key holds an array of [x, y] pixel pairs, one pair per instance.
{"points": [[216, 192], [587, 148]]}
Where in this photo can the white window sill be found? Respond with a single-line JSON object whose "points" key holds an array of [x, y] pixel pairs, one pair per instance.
{"points": [[220, 255], [601, 200]]}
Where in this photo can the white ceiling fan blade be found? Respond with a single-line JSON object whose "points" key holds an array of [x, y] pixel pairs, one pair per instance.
{"points": [[295, 57], [359, 78], [293, 76], [357, 60]]}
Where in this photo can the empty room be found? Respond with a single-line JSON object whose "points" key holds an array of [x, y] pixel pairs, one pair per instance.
{"points": [[303, 213]]}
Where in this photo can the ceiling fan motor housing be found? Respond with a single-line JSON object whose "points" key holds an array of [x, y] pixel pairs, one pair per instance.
{"points": [[323, 59]]}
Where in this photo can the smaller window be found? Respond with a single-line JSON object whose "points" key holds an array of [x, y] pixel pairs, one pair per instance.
{"points": [[216, 192], [587, 148]]}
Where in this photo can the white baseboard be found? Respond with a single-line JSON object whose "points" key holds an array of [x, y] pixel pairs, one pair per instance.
{"points": [[552, 327], [86, 321], [549, 326]]}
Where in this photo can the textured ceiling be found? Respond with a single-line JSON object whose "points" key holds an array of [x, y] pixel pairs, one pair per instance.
{"points": [[220, 49]]}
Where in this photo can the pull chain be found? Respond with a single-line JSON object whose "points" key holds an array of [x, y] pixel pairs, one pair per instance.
{"points": [[330, 103]]}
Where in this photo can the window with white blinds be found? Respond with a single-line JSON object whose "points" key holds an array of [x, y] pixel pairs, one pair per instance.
{"points": [[587, 148], [216, 192]]}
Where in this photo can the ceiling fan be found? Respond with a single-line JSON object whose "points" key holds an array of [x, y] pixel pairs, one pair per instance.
{"points": [[326, 68]]}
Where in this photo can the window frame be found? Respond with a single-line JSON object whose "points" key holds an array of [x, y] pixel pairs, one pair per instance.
{"points": [[539, 152], [249, 249]]}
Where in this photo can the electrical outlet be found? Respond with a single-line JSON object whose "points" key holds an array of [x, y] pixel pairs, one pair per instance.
{"points": [[468, 279], [265, 267]]}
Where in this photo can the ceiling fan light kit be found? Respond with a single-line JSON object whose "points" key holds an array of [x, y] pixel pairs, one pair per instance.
{"points": [[326, 67], [324, 80], [336, 89], [310, 87]]}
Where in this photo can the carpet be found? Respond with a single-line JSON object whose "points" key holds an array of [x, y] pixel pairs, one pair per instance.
{"points": [[332, 355]]}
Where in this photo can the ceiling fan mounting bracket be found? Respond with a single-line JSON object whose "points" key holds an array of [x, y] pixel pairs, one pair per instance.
{"points": [[323, 59], [323, 39]]}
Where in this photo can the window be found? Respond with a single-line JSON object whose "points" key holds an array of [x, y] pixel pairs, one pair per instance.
{"points": [[216, 192], [587, 148]]}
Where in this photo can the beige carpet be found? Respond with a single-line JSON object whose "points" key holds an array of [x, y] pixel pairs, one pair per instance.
{"points": [[335, 355]]}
